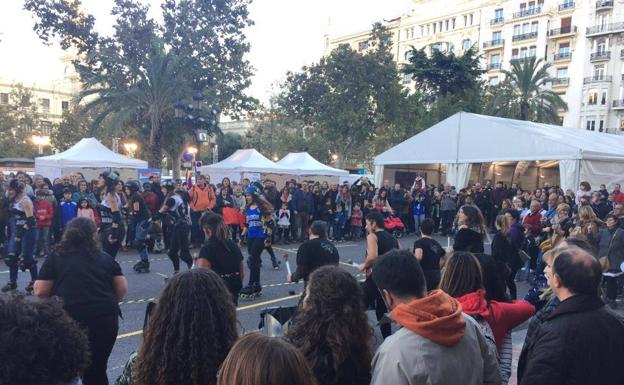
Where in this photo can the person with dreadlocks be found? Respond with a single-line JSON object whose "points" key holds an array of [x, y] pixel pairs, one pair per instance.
{"points": [[138, 218], [22, 239], [111, 226], [257, 210], [174, 214]]}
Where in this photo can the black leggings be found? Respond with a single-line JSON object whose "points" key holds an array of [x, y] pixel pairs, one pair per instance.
{"points": [[102, 332], [372, 298], [254, 249], [511, 282], [179, 248]]}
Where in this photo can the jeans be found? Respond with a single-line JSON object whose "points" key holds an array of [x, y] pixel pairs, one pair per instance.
{"points": [[24, 248], [337, 231], [299, 228], [197, 235], [140, 238], [418, 220], [43, 241]]}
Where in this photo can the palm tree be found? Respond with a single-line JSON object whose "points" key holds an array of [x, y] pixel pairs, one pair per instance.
{"points": [[148, 97], [523, 95]]}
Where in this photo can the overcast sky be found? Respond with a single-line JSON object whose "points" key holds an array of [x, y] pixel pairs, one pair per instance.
{"points": [[287, 35]]}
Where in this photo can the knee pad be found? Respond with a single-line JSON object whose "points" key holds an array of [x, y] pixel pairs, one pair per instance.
{"points": [[28, 263], [11, 260]]}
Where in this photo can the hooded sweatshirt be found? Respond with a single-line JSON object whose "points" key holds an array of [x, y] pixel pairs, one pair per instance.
{"points": [[437, 317], [501, 316]]}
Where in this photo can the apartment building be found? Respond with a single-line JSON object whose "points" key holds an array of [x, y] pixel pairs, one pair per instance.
{"points": [[582, 39], [52, 98]]}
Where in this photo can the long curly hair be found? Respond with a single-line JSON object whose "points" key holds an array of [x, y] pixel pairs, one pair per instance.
{"points": [[190, 332], [40, 343], [332, 330], [79, 238]]}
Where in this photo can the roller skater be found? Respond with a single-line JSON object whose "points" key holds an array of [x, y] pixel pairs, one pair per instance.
{"points": [[258, 209], [22, 240], [174, 215], [111, 228], [139, 218]]}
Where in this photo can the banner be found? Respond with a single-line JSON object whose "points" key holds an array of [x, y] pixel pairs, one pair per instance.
{"points": [[143, 174]]}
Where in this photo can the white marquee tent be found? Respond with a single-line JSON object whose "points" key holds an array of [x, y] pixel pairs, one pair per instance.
{"points": [[464, 139], [302, 163], [244, 163], [90, 157]]}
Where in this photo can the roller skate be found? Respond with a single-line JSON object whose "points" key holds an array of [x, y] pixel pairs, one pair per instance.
{"points": [[251, 292], [11, 286], [276, 264], [142, 267], [29, 289]]}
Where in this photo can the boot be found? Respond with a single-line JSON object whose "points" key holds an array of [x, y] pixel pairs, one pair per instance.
{"points": [[11, 286]]}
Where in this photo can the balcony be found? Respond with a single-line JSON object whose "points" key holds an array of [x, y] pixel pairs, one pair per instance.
{"points": [[527, 12], [493, 44], [566, 6], [600, 56], [598, 79], [561, 56], [563, 32], [604, 29], [604, 4], [494, 67], [524, 36], [560, 82], [618, 104], [521, 59], [497, 20]]}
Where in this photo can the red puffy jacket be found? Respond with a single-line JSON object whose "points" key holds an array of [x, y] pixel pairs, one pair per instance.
{"points": [[44, 211]]}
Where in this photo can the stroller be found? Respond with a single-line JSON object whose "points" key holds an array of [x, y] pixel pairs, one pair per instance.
{"points": [[395, 226]]}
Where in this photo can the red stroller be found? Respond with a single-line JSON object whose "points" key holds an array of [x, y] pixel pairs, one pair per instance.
{"points": [[395, 226]]}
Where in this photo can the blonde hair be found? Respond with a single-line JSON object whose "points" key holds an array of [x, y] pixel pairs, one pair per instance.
{"points": [[503, 223], [563, 207], [586, 215]]}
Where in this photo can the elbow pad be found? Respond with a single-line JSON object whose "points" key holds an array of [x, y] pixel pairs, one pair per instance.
{"points": [[116, 218]]}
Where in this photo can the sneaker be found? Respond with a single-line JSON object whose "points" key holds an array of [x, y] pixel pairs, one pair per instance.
{"points": [[11, 286]]}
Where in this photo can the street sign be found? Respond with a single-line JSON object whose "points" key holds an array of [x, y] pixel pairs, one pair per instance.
{"points": [[187, 164], [198, 163]]}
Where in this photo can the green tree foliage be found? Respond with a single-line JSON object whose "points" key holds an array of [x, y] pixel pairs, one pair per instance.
{"points": [[19, 121], [73, 127], [522, 95], [140, 71], [348, 96], [228, 144]]}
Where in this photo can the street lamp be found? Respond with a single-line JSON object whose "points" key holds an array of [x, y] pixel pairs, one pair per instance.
{"points": [[131, 148], [335, 157], [40, 141], [192, 150]]}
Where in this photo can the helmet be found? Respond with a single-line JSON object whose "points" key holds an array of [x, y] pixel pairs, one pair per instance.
{"points": [[134, 185], [252, 190], [169, 184], [110, 176]]}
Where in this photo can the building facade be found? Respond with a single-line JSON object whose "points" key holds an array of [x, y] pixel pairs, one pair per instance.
{"points": [[583, 40]]}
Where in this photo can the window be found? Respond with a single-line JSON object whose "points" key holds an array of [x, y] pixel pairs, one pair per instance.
{"points": [[407, 78], [517, 30], [562, 72], [453, 22], [534, 26], [593, 97], [495, 59], [514, 54], [532, 51], [363, 45], [621, 124], [46, 127], [497, 36], [466, 44], [436, 47], [601, 47], [564, 47], [25, 101], [64, 105], [591, 125], [601, 126], [447, 24], [440, 26], [4, 98], [434, 27], [465, 20], [603, 98], [422, 30], [45, 105], [498, 14], [471, 19], [493, 81], [599, 71], [523, 52]]}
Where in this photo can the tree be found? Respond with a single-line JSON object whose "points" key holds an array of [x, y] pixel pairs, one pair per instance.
{"points": [[522, 94], [200, 47], [19, 121], [346, 97], [228, 144]]}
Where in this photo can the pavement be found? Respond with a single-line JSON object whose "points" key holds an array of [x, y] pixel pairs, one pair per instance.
{"points": [[143, 288]]}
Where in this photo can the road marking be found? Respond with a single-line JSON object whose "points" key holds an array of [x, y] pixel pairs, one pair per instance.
{"points": [[136, 333], [350, 264], [162, 275]]}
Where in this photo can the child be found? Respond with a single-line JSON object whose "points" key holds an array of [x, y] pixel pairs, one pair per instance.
{"points": [[283, 222], [356, 221], [339, 222], [44, 212], [69, 208], [418, 211], [85, 210]]}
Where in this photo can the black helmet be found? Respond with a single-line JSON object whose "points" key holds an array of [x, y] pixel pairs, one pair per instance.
{"points": [[169, 184], [133, 185], [147, 186], [110, 176]]}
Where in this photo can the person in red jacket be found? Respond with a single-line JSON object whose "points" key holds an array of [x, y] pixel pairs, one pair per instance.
{"points": [[463, 280], [533, 220], [44, 212]]}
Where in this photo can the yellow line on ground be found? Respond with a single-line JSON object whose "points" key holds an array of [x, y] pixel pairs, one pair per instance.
{"points": [[136, 333]]}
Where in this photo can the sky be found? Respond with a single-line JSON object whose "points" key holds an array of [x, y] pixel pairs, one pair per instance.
{"points": [[287, 35]]}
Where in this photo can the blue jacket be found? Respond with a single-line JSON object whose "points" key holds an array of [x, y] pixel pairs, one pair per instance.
{"points": [[297, 200], [69, 211]]}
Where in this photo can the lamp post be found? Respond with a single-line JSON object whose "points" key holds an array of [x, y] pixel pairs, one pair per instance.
{"points": [[40, 141], [131, 148]]}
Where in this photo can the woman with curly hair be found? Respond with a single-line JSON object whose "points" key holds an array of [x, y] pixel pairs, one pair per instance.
{"points": [[187, 336], [39, 343], [332, 330], [260, 360]]}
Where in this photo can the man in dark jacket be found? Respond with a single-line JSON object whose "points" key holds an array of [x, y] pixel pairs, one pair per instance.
{"points": [[581, 342], [314, 253]]}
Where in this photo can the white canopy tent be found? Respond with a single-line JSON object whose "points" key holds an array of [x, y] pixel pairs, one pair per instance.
{"points": [[89, 157], [302, 163], [244, 163], [464, 139]]}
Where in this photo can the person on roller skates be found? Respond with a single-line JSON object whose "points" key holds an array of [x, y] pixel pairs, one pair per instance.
{"points": [[111, 227], [22, 240], [257, 209], [174, 215], [139, 218]]}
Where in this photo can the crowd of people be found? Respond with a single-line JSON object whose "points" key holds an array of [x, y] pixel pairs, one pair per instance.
{"points": [[455, 306]]}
